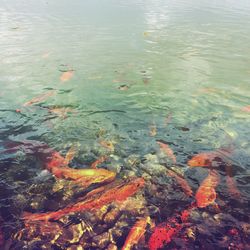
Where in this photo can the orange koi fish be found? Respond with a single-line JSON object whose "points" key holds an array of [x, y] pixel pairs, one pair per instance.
{"points": [[164, 232], [208, 90], [66, 76], [55, 161], [61, 112], [246, 109], [117, 192], [85, 177], [182, 182], [99, 161], [57, 165], [71, 154], [206, 194], [40, 98], [211, 158], [167, 150], [107, 144], [136, 232]]}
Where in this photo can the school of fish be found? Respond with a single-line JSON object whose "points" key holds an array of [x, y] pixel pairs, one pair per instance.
{"points": [[113, 190]]}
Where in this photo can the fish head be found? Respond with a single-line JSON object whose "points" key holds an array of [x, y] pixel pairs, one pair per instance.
{"points": [[205, 197], [138, 182], [200, 160], [132, 185], [105, 175]]}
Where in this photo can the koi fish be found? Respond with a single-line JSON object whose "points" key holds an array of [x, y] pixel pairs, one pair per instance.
{"points": [[211, 158], [167, 150], [246, 109], [152, 130], [107, 144], [164, 232], [46, 55], [168, 119], [57, 165], [208, 90], [61, 112], [232, 188], [99, 161], [66, 76], [71, 154], [123, 87], [85, 177], [182, 182], [56, 160], [206, 194], [117, 192], [136, 232], [40, 98]]}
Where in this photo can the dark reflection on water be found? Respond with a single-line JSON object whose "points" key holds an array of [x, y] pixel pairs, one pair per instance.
{"points": [[136, 88]]}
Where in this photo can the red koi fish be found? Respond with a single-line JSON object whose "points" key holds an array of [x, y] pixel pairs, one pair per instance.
{"points": [[66, 76], [167, 150], [164, 232], [136, 233], [117, 192], [56, 160], [182, 182], [211, 158], [40, 98], [99, 161], [206, 194]]}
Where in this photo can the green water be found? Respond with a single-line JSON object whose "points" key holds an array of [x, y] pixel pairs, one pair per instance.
{"points": [[184, 61]]}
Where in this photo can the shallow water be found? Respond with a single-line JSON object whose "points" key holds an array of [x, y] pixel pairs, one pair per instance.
{"points": [[141, 71]]}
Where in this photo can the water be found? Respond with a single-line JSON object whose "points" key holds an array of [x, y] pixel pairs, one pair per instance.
{"points": [[143, 71]]}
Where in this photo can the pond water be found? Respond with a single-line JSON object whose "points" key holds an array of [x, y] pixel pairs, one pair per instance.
{"points": [[147, 84]]}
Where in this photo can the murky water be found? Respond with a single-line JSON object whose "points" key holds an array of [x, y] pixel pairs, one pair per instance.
{"points": [[117, 78]]}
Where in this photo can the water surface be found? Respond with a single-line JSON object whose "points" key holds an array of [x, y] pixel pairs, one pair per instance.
{"points": [[142, 71]]}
